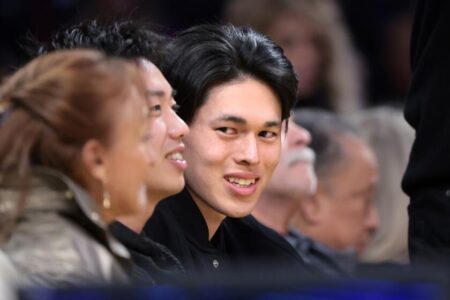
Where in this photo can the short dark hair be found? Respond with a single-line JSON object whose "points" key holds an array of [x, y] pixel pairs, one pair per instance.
{"points": [[325, 128], [206, 56], [125, 39]]}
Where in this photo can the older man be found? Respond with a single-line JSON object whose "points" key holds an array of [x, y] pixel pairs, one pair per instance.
{"points": [[340, 217]]}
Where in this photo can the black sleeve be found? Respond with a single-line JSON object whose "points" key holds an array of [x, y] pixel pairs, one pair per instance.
{"points": [[427, 110]]}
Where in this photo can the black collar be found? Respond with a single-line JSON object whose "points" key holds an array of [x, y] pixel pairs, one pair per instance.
{"points": [[193, 223]]}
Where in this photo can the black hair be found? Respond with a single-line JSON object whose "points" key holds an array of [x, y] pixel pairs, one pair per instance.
{"points": [[206, 56], [125, 39]]}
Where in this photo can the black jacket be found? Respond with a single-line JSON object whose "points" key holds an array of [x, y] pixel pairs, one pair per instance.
{"points": [[427, 110], [153, 263], [178, 224]]}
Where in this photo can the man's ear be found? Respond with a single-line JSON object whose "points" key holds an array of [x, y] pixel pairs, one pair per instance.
{"points": [[312, 209], [93, 158]]}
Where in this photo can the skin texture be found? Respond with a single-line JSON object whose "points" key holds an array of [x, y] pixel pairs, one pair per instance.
{"points": [[164, 146], [236, 133], [165, 136], [122, 166], [342, 214]]}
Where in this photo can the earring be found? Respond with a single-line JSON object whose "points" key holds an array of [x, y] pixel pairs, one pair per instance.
{"points": [[106, 199]]}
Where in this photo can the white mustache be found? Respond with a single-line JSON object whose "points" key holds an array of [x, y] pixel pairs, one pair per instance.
{"points": [[305, 155]]}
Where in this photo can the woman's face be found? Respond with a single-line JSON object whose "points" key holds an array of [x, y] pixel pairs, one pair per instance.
{"points": [[165, 148], [298, 38], [125, 160]]}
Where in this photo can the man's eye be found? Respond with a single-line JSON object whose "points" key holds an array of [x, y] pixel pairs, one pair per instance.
{"points": [[227, 130], [155, 110], [268, 134]]}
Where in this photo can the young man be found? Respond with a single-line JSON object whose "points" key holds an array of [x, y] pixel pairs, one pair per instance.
{"points": [[235, 89]]}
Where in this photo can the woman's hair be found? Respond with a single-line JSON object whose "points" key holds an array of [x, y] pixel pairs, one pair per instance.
{"points": [[391, 138], [56, 103], [207, 56], [341, 72]]}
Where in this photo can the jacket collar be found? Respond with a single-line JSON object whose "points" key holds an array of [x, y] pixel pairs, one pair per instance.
{"points": [[193, 223], [51, 190]]}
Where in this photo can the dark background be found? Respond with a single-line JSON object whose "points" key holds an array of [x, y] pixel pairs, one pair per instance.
{"points": [[372, 23]]}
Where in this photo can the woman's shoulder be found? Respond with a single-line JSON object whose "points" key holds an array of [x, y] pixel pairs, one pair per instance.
{"points": [[49, 250]]}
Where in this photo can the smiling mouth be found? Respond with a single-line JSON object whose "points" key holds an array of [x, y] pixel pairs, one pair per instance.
{"points": [[241, 182], [176, 156]]}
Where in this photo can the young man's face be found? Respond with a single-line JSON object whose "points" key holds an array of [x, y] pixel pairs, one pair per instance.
{"points": [[233, 147]]}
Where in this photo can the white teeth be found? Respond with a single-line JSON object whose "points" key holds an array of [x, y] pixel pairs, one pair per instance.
{"points": [[176, 156], [240, 181]]}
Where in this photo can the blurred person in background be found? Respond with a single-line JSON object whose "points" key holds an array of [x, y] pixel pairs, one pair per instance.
{"points": [[293, 179], [235, 89], [74, 155], [340, 217], [315, 39], [381, 31], [391, 138], [154, 263]]}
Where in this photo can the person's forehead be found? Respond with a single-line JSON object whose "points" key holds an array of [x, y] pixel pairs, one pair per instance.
{"points": [[154, 80], [249, 97]]}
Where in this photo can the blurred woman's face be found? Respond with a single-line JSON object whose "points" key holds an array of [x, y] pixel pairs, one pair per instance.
{"points": [[125, 159], [299, 39]]}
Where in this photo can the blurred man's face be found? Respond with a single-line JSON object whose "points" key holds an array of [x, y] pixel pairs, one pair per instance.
{"points": [[348, 217], [294, 175]]}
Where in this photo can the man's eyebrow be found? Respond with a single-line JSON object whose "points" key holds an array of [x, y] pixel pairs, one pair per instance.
{"points": [[159, 93], [231, 118], [272, 124], [242, 121]]}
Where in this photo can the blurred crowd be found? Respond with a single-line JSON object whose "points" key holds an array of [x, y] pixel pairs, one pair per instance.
{"points": [[294, 108]]}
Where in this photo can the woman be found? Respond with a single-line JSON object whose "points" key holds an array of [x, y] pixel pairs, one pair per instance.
{"points": [[315, 39], [74, 155]]}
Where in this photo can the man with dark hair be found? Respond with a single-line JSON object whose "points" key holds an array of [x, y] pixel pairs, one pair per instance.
{"points": [[335, 224], [124, 39], [235, 88], [154, 263]]}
